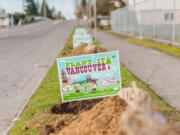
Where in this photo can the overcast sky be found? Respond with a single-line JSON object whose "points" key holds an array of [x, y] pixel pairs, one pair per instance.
{"points": [[67, 7]]}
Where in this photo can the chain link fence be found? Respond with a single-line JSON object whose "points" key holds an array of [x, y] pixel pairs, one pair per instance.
{"points": [[149, 18]]}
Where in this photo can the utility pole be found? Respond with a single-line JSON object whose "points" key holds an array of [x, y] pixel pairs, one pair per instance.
{"points": [[78, 21], [95, 21], [38, 6], [173, 18], [45, 15], [90, 17], [23, 6], [12, 20], [140, 22], [134, 14], [154, 18]]}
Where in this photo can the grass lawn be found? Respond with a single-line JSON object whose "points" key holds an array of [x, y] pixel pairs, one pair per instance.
{"points": [[48, 94], [154, 45]]}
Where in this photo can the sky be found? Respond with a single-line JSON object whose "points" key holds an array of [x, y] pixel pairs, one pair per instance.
{"points": [[67, 7]]}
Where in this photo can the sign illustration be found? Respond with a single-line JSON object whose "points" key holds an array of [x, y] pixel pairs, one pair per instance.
{"points": [[80, 31], [80, 39], [89, 76]]}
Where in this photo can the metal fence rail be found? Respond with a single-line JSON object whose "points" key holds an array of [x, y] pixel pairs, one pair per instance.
{"points": [[149, 18]]}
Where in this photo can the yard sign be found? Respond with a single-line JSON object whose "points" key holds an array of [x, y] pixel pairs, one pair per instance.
{"points": [[80, 39], [89, 76], [80, 31]]}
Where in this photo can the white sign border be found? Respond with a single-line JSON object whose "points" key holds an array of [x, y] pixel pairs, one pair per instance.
{"points": [[60, 80]]}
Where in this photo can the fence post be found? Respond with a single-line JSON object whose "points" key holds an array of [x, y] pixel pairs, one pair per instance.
{"points": [[154, 16], [124, 23], [135, 16], [173, 17], [95, 21], [131, 19], [140, 20]]}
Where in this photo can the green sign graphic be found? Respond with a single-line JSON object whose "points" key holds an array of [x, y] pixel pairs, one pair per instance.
{"points": [[89, 76]]}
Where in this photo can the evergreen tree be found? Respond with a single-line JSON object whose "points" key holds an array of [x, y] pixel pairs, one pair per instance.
{"points": [[83, 4], [45, 11], [31, 8]]}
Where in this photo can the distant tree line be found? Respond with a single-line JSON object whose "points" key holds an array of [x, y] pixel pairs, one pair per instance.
{"points": [[33, 8]]}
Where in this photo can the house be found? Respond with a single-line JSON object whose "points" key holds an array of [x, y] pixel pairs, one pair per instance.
{"points": [[149, 4], [103, 20], [88, 79], [68, 87], [107, 81], [158, 17], [158, 12], [4, 18]]}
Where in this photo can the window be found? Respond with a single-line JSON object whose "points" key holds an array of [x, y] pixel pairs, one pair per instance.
{"points": [[169, 17]]}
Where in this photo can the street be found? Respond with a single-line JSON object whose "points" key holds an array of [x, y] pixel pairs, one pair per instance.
{"points": [[26, 54]]}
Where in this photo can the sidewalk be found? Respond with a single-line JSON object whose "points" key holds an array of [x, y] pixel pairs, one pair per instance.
{"points": [[158, 70]]}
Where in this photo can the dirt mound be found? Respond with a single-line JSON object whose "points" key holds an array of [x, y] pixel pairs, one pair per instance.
{"points": [[101, 119], [113, 116], [74, 107], [85, 49], [58, 122]]}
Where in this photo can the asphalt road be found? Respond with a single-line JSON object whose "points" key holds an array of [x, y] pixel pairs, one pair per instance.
{"points": [[26, 54]]}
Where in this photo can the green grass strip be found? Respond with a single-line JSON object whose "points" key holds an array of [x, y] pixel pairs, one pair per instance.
{"points": [[171, 50], [160, 47]]}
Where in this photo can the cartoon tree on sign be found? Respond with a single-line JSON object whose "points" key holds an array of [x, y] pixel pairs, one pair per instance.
{"points": [[108, 61]]}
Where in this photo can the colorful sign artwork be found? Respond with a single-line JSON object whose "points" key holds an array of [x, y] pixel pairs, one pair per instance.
{"points": [[80, 31], [89, 76], [81, 39]]}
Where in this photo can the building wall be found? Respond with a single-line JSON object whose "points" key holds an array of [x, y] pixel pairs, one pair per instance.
{"points": [[4, 22], [157, 17], [4, 18], [159, 4]]}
